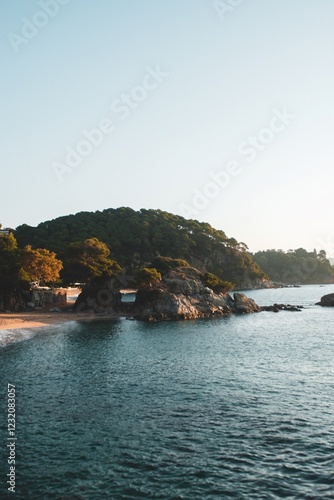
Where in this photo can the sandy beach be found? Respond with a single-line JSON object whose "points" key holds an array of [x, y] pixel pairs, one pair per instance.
{"points": [[11, 321], [36, 319], [31, 319]]}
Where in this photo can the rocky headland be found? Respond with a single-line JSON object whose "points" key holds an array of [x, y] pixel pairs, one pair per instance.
{"points": [[181, 294]]}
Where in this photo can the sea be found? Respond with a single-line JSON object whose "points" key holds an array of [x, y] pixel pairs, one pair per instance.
{"points": [[239, 407]]}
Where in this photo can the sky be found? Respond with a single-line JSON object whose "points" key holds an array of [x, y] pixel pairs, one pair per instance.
{"points": [[216, 110]]}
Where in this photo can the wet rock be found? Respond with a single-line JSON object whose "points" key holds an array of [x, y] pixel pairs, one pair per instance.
{"points": [[282, 307]]}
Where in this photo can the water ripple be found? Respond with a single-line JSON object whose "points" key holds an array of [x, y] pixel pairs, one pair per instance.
{"points": [[200, 410]]}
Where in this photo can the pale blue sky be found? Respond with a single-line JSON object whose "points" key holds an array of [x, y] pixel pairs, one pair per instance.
{"points": [[228, 77]]}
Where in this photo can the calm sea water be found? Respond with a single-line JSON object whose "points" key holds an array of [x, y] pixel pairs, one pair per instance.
{"points": [[240, 408]]}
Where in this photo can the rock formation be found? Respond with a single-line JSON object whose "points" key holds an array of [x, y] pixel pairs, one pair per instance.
{"points": [[282, 307], [100, 296], [326, 300], [181, 294]]}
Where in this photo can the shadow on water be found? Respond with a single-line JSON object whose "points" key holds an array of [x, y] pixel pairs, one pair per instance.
{"points": [[95, 330]]}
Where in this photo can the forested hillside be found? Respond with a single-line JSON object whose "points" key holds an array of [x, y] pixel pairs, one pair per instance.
{"points": [[296, 266], [134, 238]]}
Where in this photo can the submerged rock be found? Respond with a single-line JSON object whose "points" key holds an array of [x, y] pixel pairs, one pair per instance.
{"points": [[181, 294], [282, 307], [326, 300]]}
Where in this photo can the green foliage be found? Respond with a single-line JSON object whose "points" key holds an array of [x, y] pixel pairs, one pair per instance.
{"points": [[216, 284], [12, 277], [8, 242], [10, 263], [137, 237], [40, 265], [88, 259], [147, 276], [296, 266], [164, 264]]}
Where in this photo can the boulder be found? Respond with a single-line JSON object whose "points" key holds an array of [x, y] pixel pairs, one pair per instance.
{"points": [[243, 304], [326, 300]]}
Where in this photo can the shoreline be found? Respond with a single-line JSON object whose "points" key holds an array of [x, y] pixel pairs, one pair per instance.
{"points": [[44, 318], [27, 320]]}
